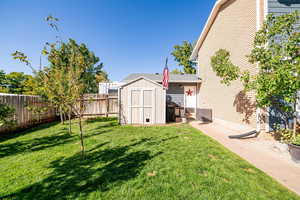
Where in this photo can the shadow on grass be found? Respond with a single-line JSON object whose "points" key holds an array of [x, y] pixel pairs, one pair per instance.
{"points": [[101, 170], [101, 119], [37, 144], [156, 142], [104, 126], [34, 145], [7, 136]]}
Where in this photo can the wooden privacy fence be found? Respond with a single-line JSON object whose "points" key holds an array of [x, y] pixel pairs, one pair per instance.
{"points": [[24, 116], [95, 105], [100, 105]]}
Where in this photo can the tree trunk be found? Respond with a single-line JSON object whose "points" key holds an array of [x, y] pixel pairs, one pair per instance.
{"points": [[295, 120], [81, 136], [70, 123], [61, 115]]}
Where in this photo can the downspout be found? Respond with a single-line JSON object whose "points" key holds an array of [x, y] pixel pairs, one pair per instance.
{"points": [[197, 85], [266, 12], [267, 110], [258, 110]]}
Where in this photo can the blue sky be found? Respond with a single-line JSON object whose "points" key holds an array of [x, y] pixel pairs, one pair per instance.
{"points": [[127, 35]]}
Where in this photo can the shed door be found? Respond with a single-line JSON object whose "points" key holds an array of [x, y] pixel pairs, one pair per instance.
{"points": [[142, 106]]}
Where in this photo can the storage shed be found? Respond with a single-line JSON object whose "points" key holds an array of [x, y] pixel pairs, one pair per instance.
{"points": [[142, 101]]}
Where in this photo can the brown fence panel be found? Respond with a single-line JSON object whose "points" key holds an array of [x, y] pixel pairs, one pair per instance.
{"points": [[23, 116], [95, 105], [100, 105]]}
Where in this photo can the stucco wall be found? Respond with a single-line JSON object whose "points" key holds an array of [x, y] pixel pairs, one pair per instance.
{"points": [[160, 99], [233, 29]]}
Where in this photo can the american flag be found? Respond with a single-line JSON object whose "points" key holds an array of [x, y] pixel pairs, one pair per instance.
{"points": [[165, 80]]}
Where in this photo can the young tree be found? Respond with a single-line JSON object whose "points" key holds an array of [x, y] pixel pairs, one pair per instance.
{"points": [[55, 89], [182, 55], [76, 99], [58, 57], [63, 83], [277, 53], [73, 71], [69, 77]]}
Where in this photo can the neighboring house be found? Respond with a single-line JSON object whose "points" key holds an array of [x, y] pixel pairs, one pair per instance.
{"points": [[141, 87], [232, 25]]}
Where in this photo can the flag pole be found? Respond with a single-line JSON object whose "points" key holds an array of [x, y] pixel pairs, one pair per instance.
{"points": [[165, 81], [166, 62]]}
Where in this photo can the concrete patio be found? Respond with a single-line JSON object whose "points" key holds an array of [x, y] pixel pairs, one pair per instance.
{"points": [[263, 152]]}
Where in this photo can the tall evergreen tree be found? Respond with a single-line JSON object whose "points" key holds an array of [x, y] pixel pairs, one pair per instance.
{"points": [[182, 55]]}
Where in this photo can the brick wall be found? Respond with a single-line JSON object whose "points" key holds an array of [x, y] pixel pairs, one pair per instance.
{"points": [[233, 29]]}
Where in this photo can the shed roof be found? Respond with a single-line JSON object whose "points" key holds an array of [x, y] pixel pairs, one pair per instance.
{"points": [[173, 78], [139, 78]]}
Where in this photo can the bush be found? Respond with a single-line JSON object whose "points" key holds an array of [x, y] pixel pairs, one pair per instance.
{"points": [[297, 140], [6, 115], [223, 67], [287, 136]]}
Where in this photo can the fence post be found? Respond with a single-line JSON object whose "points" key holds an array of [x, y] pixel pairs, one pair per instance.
{"points": [[107, 105]]}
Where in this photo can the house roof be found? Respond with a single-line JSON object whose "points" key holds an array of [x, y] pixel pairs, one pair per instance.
{"points": [[173, 78], [207, 27]]}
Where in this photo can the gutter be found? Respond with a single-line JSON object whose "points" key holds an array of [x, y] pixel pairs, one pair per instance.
{"points": [[198, 81]]}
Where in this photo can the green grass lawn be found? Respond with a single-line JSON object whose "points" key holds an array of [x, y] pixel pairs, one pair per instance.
{"points": [[126, 162]]}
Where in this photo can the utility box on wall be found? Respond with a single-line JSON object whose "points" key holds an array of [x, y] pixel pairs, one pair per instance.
{"points": [[142, 101]]}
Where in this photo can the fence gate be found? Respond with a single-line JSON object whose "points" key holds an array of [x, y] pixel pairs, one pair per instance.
{"points": [[141, 106]]}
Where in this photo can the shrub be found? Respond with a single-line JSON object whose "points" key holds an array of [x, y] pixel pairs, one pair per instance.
{"points": [[287, 136], [6, 115], [223, 67]]}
